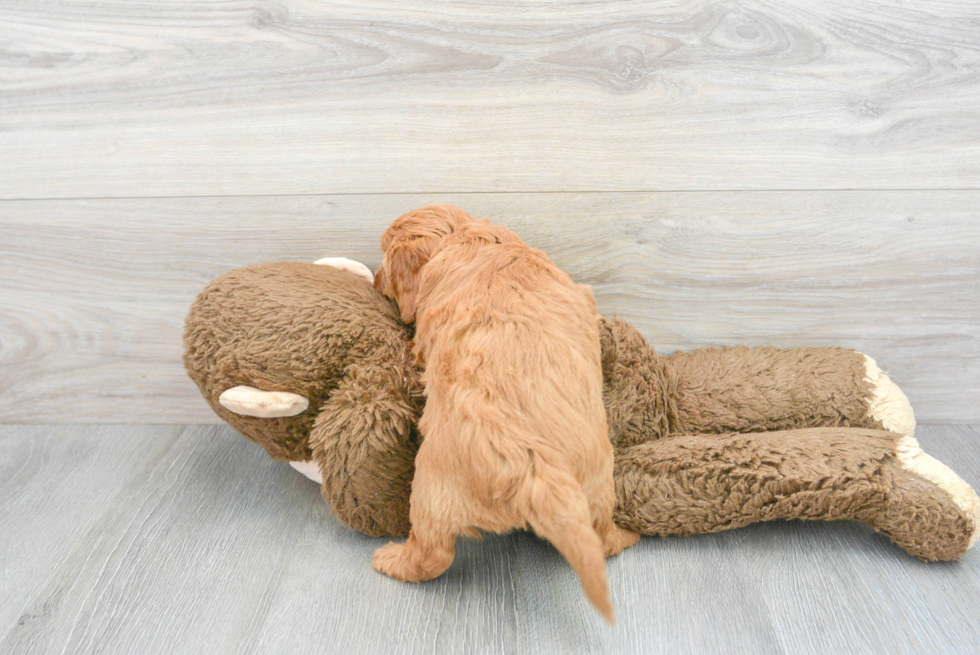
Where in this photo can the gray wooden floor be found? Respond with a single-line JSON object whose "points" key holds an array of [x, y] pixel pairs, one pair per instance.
{"points": [[179, 539]]}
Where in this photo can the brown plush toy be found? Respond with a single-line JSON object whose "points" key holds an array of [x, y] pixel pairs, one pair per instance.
{"points": [[312, 364]]}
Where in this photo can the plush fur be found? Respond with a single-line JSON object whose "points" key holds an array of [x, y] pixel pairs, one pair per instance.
{"points": [[325, 334], [781, 434], [674, 486], [514, 425]]}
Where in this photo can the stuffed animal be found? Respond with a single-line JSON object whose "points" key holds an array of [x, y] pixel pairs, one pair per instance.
{"points": [[314, 365]]}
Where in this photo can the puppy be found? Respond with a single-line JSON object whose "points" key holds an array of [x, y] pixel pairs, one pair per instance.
{"points": [[514, 427]]}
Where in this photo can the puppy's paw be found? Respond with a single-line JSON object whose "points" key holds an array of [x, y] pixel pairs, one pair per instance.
{"points": [[344, 264], [409, 562], [390, 560], [618, 540]]}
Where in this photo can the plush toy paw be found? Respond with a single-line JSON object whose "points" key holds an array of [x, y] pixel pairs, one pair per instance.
{"points": [[888, 405], [309, 469], [357, 268], [956, 499], [249, 401]]}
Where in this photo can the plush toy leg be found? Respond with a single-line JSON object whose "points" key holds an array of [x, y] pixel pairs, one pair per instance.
{"points": [[761, 389], [920, 474], [691, 484]]}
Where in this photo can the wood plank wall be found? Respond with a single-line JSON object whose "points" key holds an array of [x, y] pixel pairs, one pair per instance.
{"points": [[786, 172]]}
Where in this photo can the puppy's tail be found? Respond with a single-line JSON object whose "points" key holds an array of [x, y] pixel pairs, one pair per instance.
{"points": [[559, 512]]}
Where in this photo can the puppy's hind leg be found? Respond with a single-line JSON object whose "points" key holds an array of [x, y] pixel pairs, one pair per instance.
{"points": [[614, 539], [431, 543], [419, 559]]}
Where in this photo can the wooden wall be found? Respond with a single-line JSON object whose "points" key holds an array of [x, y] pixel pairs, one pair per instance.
{"points": [[786, 172]]}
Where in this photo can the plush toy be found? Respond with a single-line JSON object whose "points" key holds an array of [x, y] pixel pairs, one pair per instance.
{"points": [[312, 364]]}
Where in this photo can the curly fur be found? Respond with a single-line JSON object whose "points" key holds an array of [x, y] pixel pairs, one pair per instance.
{"points": [[307, 329], [514, 425]]}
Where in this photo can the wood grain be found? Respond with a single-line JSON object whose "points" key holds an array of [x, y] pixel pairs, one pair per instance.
{"points": [[95, 292], [331, 600], [185, 557], [53, 486], [693, 595], [115, 99], [189, 539]]}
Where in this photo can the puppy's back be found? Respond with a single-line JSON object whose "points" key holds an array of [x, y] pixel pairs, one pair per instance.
{"points": [[513, 334], [512, 354]]}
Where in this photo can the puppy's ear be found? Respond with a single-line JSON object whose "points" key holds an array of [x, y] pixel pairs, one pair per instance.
{"points": [[403, 265], [408, 244]]}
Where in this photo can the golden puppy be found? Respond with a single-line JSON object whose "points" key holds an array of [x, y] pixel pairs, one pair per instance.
{"points": [[514, 428]]}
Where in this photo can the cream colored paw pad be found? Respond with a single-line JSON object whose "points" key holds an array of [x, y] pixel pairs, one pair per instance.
{"points": [[249, 401], [309, 469], [344, 264], [914, 459], [888, 405]]}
